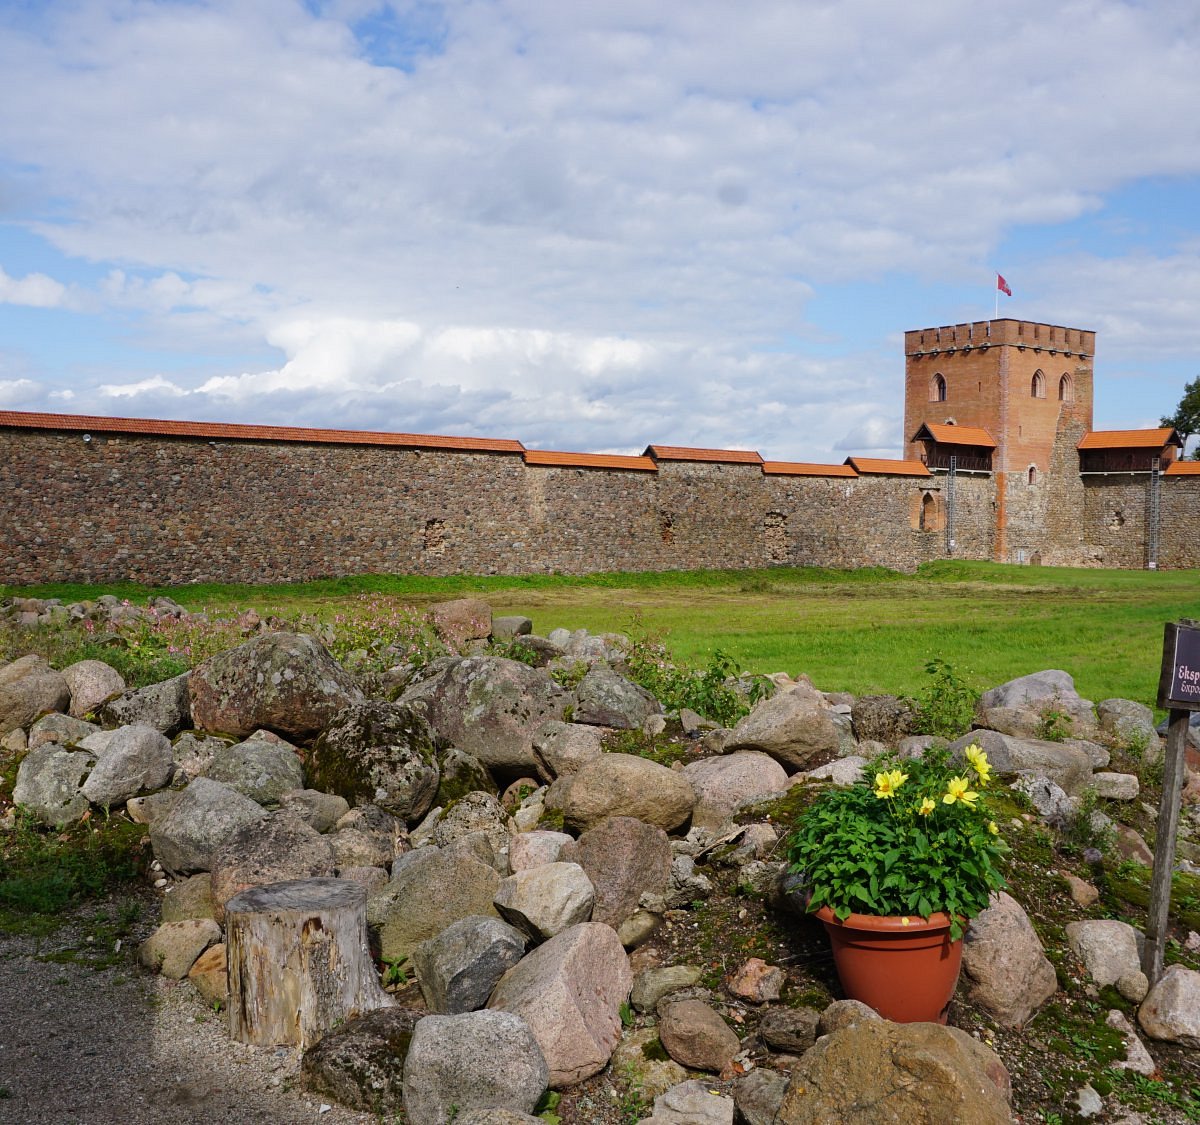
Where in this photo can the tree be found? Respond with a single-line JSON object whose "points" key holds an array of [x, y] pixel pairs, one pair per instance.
{"points": [[1186, 418]]}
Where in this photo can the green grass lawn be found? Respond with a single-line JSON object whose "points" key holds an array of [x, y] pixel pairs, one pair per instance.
{"points": [[862, 631]]}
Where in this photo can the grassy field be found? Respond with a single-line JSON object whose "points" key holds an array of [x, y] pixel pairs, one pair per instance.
{"points": [[862, 631]]}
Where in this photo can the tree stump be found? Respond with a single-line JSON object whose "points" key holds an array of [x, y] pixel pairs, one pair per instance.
{"points": [[299, 962]]}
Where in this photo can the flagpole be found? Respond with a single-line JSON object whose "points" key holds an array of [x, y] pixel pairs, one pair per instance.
{"points": [[996, 288]]}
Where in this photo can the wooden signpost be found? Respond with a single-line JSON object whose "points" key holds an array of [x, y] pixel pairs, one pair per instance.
{"points": [[1179, 694]]}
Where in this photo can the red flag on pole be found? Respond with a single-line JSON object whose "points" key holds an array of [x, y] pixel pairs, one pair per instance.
{"points": [[1002, 285]]}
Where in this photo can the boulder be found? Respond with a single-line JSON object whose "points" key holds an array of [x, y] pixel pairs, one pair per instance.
{"points": [[622, 785], [1067, 766], [795, 727], [361, 1063], [790, 1030], [691, 1103], [756, 981], [429, 890], [695, 1036], [459, 967], [461, 620], [1130, 723], [757, 1096], [50, 783], [137, 760], [1107, 947], [882, 718], [29, 687], [380, 753], [209, 976], [319, 810], [529, 849], [1035, 695], [876, 1071], [173, 948], [283, 682], [1171, 1011], [510, 626], [570, 992], [1004, 965], [262, 769], [190, 898], [202, 818], [91, 682], [164, 706], [472, 1061], [475, 813], [723, 783], [194, 752], [490, 707], [605, 698], [1116, 786], [544, 901], [651, 985], [63, 729], [642, 1064], [461, 773], [560, 748], [624, 859], [268, 851]]}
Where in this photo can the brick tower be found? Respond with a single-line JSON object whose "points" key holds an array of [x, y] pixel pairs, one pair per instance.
{"points": [[1028, 385]]}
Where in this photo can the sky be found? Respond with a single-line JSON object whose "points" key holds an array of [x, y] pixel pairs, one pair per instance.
{"points": [[586, 225]]}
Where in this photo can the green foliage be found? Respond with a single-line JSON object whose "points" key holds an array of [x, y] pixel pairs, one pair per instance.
{"points": [[1054, 725], [898, 847], [947, 705], [1085, 829], [395, 972], [42, 872], [713, 691], [626, 1013], [1157, 1091], [546, 1106], [569, 676], [1186, 418]]}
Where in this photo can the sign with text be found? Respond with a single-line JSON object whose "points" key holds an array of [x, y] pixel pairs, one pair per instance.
{"points": [[1179, 685]]}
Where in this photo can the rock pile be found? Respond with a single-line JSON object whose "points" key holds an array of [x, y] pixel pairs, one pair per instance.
{"points": [[513, 864]]}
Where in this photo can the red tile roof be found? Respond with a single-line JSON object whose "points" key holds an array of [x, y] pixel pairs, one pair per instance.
{"points": [[687, 453], [806, 469], [884, 467], [1130, 439], [1182, 469], [230, 431], [550, 458], [945, 434]]}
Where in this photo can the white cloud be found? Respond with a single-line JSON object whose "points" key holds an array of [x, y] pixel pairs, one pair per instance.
{"points": [[18, 392], [34, 289]]}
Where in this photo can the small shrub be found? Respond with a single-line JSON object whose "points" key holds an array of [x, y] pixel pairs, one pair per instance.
{"points": [[1054, 724], [947, 706], [711, 692]]}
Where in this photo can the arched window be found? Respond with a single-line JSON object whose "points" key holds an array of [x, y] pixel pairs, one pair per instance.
{"points": [[1033, 474], [937, 389], [1037, 386], [1066, 389]]}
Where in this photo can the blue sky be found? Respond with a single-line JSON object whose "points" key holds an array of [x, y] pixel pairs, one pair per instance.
{"points": [[586, 226]]}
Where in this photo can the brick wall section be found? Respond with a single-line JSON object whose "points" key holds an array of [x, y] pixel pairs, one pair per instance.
{"points": [[1114, 518], [1179, 524]]}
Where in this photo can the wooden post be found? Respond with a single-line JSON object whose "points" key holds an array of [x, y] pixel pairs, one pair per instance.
{"points": [[299, 961], [1179, 692]]}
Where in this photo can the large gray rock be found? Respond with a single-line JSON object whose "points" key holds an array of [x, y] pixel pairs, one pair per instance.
{"points": [[1107, 947], [1172, 1009], [723, 783], [1067, 766], [91, 682], [283, 682], [1035, 696], [472, 1061], [758, 1095], [544, 901], [164, 706], [882, 718], [876, 1071], [529, 849], [560, 748], [50, 783], [28, 687], [361, 1063], [476, 812], [194, 751], [137, 760], [269, 851], [639, 1063], [173, 948], [695, 1036], [1006, 969], [429, 890], [319, 810], [202, 818], [625, 860], [570, 992], [1130, 723], [691, 1103], [381, 753], [461, 773], [795, 727], [490, 707], [259, 768], [605, 698], [458, 968], [622, 785], [461, 620], [63, 729]]}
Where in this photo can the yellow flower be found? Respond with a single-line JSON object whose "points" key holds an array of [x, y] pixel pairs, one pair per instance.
{"points": [[978, 759], [927, 806], [992, 828], [958, 789], [886, 784]]}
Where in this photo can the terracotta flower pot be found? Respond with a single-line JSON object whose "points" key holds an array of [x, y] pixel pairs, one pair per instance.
{"points": [[904, 968]]}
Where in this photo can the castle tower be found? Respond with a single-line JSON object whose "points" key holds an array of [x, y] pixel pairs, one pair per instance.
{"points": [[1028, 385]]}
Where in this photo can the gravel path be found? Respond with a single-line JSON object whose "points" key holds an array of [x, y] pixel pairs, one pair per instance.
{"points": [[88, 1038]]}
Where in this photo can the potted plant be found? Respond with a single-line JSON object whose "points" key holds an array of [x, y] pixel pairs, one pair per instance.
{"points": [[895, 869]]}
